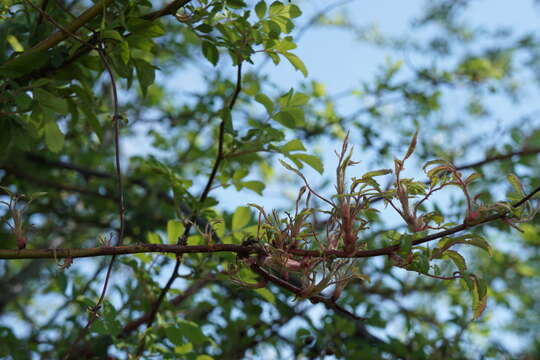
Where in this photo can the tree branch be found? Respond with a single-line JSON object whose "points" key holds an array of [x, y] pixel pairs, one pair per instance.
{"points": [[82, 20], [329, 303], [239, 249], [179, 299], [183, 239], [75, 253], [61, 35], [169, 9], [490, 159]]}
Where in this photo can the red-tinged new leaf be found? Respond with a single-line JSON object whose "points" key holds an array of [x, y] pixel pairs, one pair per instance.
{"points": [[381, 172], [412, 146], [437, 170], [471, 178], [438, 161]]}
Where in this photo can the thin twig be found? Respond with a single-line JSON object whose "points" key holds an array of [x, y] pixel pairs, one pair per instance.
{"points": [[116, 119], [183, 239], [456, 275], [121, 212], [490, 159], [195, 287]]}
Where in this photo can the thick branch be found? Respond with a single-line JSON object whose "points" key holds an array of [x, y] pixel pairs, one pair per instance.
{"points": [[239, 249], [123, 250], [82, 20]]}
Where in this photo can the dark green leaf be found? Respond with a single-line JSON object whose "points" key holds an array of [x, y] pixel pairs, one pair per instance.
{"points": [[145, 74], [210, 52], [51, 101], [260, 9]]}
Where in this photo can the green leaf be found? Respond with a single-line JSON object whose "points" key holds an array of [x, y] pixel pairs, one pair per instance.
{"points": [[175, 229], [405, 244], [241, 218], [478, 289], [311, 160], [140, 42], [260, 9], [145, 28], [51, 101], [481, 286], [284, 45], [296, 62], [255, 186], [125, 53], [236, 4], [54, 139], [471, 178], [468, 239], [274, 56], [204, 28], [40, 82], [381, 172], [15, 44], [24, 63], [516, 184], [111, 34], [183, 349], [285, 118], [23, 101], [210, 52], [298, 99], [93, 121], [297, 114], [457, 259], [267, 295], [175, 336], [480, 242], [479, 306], [286, 98], [266, 102], [192, 331], [227, 120], [294, 11], [420, 263], [204, 357], [277, 8], [145, 74], [293, 145], [154, 238]]}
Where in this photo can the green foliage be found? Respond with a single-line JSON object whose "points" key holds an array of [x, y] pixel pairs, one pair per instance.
{"points": [[154, 124]]}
